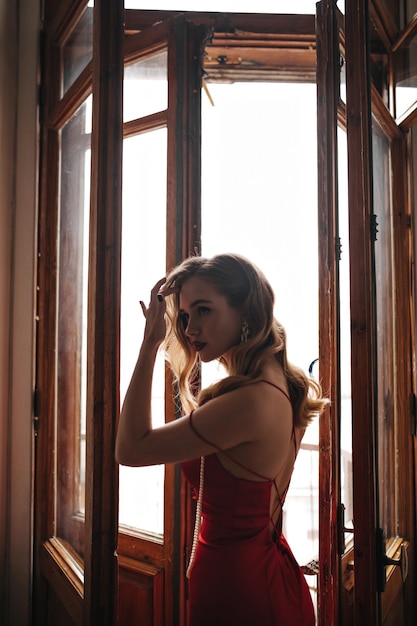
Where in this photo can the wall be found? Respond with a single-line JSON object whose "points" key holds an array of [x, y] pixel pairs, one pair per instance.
{"points": [[19, 34], [8, 25]]}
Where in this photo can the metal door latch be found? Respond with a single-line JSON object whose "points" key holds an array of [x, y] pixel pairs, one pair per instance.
{"points": [[383, 560]]}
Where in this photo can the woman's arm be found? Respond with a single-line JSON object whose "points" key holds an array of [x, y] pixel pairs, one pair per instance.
{"points": [[243, 416], [136, 417]]}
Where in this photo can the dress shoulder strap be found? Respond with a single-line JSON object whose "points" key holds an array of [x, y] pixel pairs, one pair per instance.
{"points": [[199, 435], [284, 393]]}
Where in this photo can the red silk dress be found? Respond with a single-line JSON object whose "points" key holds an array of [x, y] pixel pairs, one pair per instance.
{"points": [[243, 576]]}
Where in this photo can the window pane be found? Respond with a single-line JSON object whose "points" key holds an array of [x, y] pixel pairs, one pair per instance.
{"points": [[346, 482], [386, 347], [141, 490], [411, 9], [405, 61], [341, 6], [78, 49], [258, 142], [72, 324], [146, 86]]}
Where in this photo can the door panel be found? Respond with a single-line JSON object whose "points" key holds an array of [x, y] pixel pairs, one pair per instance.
{"points": [[141, 593], [327, 33], [161, 200], [75, 573], [372, 590]]}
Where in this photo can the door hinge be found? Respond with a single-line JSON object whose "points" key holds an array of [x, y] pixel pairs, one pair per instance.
{"points": [[413, 414], [374, 227], [383, 560], [338, 249], [35, 410]]}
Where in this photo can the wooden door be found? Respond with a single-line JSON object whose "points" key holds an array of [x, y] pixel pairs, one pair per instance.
{"points": [[75, 477], [368, 571], [86, 571], [160, 214]]}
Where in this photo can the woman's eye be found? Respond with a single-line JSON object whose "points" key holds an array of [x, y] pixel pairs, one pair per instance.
{"points": [[203, 310]]}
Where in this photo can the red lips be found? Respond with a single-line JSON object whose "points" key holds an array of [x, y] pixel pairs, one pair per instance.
{"points": [[199, 346]]}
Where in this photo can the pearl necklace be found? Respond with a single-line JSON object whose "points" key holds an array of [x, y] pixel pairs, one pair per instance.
{"points": [[198, 518]]}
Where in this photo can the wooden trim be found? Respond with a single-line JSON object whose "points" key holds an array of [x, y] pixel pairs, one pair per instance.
{"points": [[44, 488], [402, 243], [347, 588], [409, 118], [384, 117], [327, 111], [408, 33], [51, 77], [252, 51], [380, 10], [254, 56], [260, 64], [134, 545], [362, 309], [184, 142], [64, 16], [145, 124], [45, 454], [100, 605], [382, 27], [146, 43], [301, 26], [72, 99], [62, 573]]}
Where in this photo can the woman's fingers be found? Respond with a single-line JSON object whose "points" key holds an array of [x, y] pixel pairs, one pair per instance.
{"points": [[157, 287], [143, 307], [161, 291], [158, 292]]}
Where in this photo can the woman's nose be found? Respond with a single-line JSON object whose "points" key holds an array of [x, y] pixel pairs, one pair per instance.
{"points": [[192, 327]]}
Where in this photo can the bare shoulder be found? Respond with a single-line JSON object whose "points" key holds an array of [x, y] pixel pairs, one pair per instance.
{"points": [[270, 402], [255, 411]]}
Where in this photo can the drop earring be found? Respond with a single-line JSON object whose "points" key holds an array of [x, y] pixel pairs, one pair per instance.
{"points": [[244, 333]]}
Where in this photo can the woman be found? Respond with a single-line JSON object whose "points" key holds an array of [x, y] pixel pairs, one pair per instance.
{"points": [[238, 442]]}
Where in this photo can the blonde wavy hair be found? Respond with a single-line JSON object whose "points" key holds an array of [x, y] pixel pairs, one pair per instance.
{"points": [[247, 290]]}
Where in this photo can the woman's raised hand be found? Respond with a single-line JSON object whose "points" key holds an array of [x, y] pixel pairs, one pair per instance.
{"points": [[154, 314]]}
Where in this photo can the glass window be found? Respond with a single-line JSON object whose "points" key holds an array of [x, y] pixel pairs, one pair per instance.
{"points": [[386, 346], [405, 62], [77, 51], [411, 9], [73, 241], [346, 474], [258, 142], [341, 6], [146, 86], [141, 490]]}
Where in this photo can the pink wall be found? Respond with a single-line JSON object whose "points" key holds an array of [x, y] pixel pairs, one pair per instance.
{"points": [[8, 90], [19, 34]]}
